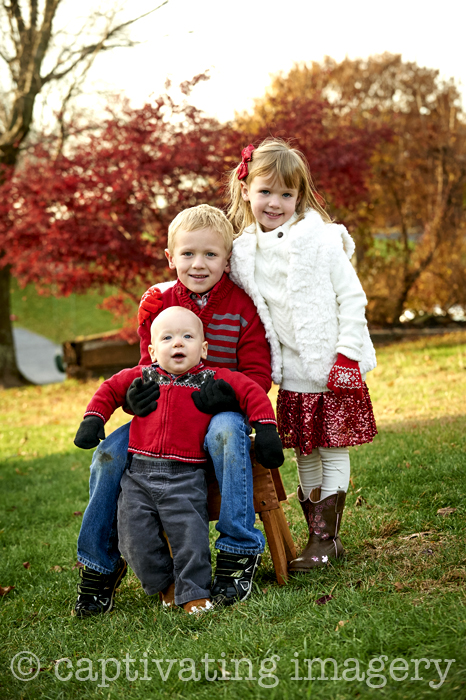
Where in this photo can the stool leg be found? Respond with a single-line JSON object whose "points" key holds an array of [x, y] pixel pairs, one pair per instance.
{"points": [[276, 543], [290, 549]]}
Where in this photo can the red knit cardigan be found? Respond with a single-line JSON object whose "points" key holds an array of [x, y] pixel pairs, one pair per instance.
{"points": [[176, 429]]}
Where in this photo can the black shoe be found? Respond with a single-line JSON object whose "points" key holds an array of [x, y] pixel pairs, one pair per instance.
{"points": [[96, 590], [233, 577]]}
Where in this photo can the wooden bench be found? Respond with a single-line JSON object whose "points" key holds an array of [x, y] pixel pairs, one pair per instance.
{"points": [[268, 495]]}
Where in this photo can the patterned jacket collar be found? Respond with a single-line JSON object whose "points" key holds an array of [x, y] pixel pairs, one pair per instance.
{"points": [[194, 377], [194, 370]]}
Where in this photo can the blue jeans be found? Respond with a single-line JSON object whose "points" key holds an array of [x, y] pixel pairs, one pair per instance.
{"points": [[227, 442]]}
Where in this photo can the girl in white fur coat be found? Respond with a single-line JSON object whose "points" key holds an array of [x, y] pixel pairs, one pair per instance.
{"points": [[295, 265]]}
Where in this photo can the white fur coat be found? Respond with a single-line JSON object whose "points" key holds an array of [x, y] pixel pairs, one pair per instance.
{"points": [[325, 321]]}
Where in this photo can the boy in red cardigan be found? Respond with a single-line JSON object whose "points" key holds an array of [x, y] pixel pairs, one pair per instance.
{"points": [[200, 242], [164, 488]]}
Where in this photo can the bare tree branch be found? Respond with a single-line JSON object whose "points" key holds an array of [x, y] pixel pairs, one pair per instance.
{"points": [[80, 54], [16, 13], [34, 14], [13, 28]]}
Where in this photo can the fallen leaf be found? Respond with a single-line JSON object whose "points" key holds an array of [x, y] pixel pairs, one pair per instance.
{"points": [[360, 501], [417, 534], [264, 590], [77, 512], [446, 511], [5, 589], [26, 564], [400, 586], [56, 568], [324, 599], [428, 551], [78, 565], [340, 625]]}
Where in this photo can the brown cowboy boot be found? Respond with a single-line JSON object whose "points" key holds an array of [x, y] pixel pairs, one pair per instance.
{"points": [[323, 519]]}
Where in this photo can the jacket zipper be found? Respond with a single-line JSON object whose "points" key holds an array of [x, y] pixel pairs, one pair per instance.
{"points": [[164, 420]]}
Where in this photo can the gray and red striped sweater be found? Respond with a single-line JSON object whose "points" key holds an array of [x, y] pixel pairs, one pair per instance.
{"points": [[232, 328]]}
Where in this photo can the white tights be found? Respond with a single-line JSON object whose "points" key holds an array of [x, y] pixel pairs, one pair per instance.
{"points": [[328, 467]]}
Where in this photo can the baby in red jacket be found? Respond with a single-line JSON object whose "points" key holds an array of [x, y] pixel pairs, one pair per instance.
{"points": [[164, 488]]}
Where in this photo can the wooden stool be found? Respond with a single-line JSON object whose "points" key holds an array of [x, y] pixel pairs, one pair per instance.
{"points": [[268, 494]]}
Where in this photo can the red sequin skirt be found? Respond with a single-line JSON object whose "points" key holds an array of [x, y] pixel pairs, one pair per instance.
{"points": [[324, 420]]}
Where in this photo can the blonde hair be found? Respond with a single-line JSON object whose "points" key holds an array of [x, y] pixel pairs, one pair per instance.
{"points": [[196, 218], [276, 159]]}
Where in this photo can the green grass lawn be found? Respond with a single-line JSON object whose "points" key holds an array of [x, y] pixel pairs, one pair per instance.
{"points": [[60, 318], [394, 627]]}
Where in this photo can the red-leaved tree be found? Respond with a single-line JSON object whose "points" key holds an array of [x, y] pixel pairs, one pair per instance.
{"points": [[99, 215], [337, 146]]}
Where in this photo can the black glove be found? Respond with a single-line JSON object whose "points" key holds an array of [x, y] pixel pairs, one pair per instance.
{"points": [[141, 397], [268, 446], [216, 396], [90, 432]]}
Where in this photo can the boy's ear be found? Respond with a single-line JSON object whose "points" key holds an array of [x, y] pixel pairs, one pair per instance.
{"points": [[205, 345], [228, 266], [152, 353], [244, 191], [169, 257]]}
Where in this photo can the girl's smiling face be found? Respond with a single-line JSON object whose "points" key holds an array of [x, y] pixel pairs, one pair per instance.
{"points": [[272, 203]]}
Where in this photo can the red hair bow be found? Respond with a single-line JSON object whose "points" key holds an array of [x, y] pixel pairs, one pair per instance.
{"points": [[246, 157]]}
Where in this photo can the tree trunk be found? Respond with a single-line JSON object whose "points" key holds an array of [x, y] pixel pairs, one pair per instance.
{"points": [[29, 43], [9, 373]]}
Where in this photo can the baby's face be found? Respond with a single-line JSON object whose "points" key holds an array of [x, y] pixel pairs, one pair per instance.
{"points": [[177, 340]]}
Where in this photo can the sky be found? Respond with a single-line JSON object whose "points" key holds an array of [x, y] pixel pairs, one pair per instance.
{"points": [[243, 43]]}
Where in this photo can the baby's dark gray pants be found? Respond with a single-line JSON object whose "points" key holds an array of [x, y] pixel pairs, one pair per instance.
{"points": [[171, 496]]}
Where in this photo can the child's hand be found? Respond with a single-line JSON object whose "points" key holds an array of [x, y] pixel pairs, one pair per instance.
{"points": [[142, 397], [345, 377], [90, 433], [268, 446], [150, 304], [216, 396]]}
